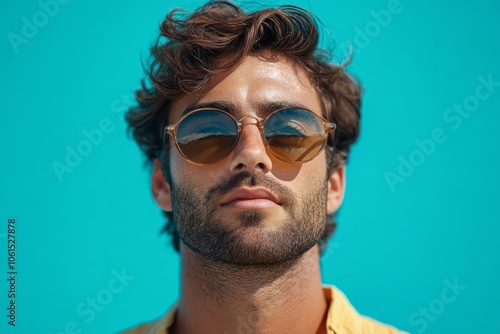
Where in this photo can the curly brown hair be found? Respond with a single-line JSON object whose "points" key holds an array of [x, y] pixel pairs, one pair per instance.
{"points": [[192, 48]]}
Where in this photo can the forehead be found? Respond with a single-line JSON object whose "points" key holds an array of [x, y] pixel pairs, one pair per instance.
{"points": [[256, 81]]}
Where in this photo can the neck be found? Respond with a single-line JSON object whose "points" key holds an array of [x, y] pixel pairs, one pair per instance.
{"points": [[223, 298]]}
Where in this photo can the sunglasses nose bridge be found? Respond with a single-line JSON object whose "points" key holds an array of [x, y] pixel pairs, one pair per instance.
{"points": [[250, 149], [258, 119], [259, 122], [247, 120]]}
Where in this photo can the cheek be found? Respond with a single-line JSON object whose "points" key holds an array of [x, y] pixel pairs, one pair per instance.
{"points": [[300, 173], [185, 174], [180, 169], [311, 176], [316, 168], [174, 161]]}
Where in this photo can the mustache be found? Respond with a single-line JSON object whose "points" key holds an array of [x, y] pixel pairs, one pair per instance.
{"points": [[251, 180]]}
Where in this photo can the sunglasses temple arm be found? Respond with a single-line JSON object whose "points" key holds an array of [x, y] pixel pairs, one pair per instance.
{"points": [[166, 131]]}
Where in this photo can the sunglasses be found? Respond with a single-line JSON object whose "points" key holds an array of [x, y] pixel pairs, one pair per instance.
{"points": [[206, 136]]}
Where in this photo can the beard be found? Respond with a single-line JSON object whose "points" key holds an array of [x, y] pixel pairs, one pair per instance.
{"points": [[251, 242]]}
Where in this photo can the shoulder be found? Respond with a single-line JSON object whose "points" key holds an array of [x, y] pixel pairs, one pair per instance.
{"points": [[159, 326], [147, 328], [344, 319]]}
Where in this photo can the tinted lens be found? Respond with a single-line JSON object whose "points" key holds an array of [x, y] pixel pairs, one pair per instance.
{"points": [[295, 135], [206, 136]]}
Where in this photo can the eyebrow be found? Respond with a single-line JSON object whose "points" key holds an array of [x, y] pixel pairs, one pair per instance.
{"points": [[264, 108], [268, 107], [222, 105]]}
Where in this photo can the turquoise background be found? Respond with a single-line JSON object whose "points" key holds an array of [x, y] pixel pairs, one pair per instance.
{"points": [[396, 248]]}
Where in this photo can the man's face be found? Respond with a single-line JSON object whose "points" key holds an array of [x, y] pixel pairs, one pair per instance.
{"points": [[251, 208]]}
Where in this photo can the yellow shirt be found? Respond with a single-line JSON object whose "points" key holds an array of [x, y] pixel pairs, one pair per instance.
{"points": [[342, 319]]}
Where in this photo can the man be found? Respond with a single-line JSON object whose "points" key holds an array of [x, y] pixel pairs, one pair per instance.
{"points": [[248, 129]]}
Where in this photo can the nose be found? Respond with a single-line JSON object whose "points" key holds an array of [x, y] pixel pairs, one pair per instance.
{"points": [[250, 153]]}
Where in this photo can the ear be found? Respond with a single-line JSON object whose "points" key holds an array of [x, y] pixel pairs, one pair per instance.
{"points": [[336, 189], [160, 187]]}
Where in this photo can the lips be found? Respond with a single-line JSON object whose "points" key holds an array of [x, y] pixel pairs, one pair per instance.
{"points": [[250, 198]]}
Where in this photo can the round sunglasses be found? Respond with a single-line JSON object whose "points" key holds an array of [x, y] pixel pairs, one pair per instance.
{"points": [[206, 136]]}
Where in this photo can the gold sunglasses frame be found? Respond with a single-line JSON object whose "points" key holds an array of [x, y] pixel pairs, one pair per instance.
{"points": [[261, 123]]}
